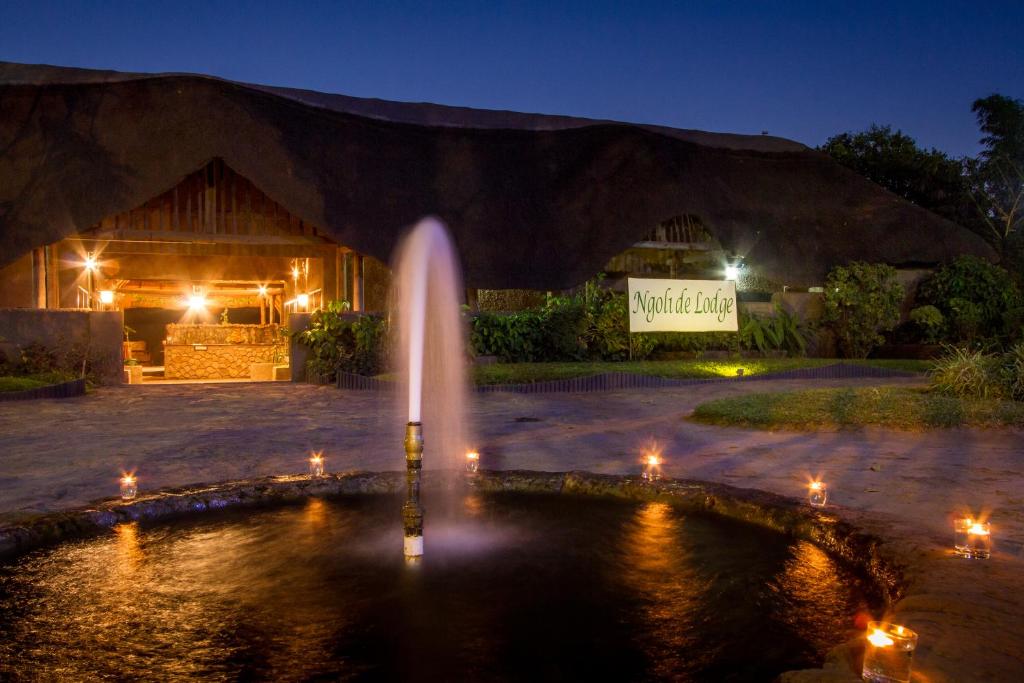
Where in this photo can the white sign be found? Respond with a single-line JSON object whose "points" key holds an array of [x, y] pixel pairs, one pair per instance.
{"points": [[682, 306]]}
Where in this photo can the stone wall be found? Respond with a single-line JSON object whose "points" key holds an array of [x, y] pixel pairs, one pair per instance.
{"points": [[215, 361], [179, 333], [72, 335]]}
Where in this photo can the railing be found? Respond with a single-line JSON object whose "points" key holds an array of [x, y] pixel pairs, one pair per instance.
{"points": [[83, 298]]}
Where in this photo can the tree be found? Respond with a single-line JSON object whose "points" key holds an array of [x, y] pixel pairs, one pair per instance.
{"points": [[928, 178], [862, 300], [997, 176]]}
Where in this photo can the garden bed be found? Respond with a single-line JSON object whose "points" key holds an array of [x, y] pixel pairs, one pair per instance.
{"points": [[893, 407]]}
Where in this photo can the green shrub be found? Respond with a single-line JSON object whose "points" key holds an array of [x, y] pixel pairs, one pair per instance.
{"points": [[930, 323], [36, 359], [592, 324], [565, 323], [862, 301], [966, 319], [781, 332], [513, 338], [608, 336], [989, 289], [1013, 372], [965, 373], [346, 343]]}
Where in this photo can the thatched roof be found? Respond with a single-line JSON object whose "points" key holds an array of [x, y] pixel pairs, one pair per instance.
{"points": [[534, 201]]}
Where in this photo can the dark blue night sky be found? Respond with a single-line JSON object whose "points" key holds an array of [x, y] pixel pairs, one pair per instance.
{"points": [[802, 70]]}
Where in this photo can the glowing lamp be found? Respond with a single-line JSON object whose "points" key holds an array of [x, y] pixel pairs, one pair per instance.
{"points": [[263, 290], [316, 464], [303, 301], [732, 272], [90, 263], [472, 461], [817, 494], [888, 653], [652, 467], [972, 539], [129, 486], [196, 302], [106, 296]]}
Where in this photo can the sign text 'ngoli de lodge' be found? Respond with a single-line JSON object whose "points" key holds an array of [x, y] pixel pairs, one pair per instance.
{"points": [[682, 305]]}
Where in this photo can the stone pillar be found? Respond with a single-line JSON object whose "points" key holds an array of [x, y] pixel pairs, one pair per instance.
{"points": [[297, 353], [39, 277], [329, 287], [357, 282], [473, 299], [52, 277]]}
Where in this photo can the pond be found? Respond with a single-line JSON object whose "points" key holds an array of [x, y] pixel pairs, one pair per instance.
{"points": [[512, 587]]}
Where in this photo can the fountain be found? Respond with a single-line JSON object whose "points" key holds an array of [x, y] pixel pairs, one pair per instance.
{"points": [[538, 575], [431, 360]]}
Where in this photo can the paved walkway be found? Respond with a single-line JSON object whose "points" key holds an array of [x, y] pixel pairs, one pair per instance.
{"points": [[907, 486]]}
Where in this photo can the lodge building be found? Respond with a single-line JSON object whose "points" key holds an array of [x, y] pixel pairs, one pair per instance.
{"points": [[198, 213]]}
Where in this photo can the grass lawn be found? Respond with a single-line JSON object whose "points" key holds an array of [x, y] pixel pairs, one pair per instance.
{"points": [[895, 407], [521, 373], [9, 383]]}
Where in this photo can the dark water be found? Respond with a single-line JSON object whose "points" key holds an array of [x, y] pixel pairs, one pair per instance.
{"points": [[515, 587]]}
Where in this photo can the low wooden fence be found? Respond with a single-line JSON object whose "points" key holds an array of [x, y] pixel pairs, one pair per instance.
{"points": [[75, 387], [615, 381]]}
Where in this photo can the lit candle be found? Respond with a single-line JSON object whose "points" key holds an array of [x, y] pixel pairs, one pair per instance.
{"points": [[888, 653], [129, 486], [652, 467], [817, 494], [472, 461], [316, 464], [972, 539]]}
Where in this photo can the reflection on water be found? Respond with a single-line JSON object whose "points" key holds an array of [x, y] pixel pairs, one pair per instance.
{"points": [[512, 588], [656, 568]]}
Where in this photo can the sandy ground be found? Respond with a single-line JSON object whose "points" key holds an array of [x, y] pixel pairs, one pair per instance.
{"points": [[904, 486]]}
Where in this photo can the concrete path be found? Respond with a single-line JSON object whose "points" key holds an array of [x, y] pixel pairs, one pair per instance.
{"points": [[905, 486]]}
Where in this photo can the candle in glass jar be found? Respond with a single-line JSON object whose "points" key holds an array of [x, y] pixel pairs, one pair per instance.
{"points": [[888, 653], [129, 486], [817, 494], [652, 467], [316, 464], [972, 539]]}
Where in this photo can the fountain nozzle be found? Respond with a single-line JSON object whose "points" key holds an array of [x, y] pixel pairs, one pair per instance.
{"points": [[412, 511]]}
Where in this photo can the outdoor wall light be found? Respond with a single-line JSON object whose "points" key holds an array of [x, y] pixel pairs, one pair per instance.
{"points": [[888, 653], [129, 486], [732, 272], [972, 539], [263, 290], [106, 296], [316, 464], [196, 302], [90, 263], [472, 461], [817, 494]]}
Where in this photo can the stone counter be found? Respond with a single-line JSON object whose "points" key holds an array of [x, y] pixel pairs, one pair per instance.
{"points": [[216, 361]]}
